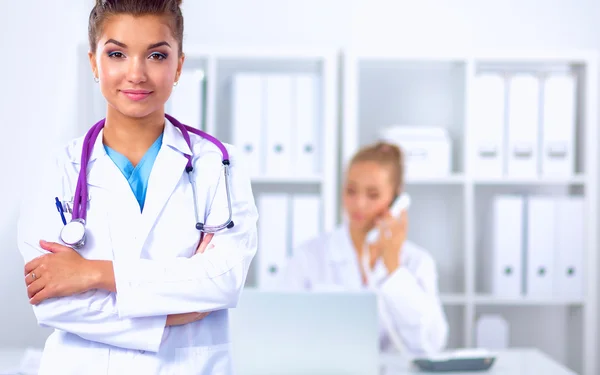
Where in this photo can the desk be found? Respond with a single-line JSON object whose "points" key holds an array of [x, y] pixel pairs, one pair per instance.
{"points": [[10, 360], [509, 362]]}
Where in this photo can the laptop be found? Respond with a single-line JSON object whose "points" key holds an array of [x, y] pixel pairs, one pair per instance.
{"points": [[285, 333]]}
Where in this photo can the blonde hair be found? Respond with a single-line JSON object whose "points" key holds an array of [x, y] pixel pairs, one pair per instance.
{"points": [[387, 155]]}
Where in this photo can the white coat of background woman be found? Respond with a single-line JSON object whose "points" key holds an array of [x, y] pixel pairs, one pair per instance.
{"points": [[404, 274], [146, 294]]}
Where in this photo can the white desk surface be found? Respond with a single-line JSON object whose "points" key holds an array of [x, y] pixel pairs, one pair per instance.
{"points": [[10, 360], [510, 362]]}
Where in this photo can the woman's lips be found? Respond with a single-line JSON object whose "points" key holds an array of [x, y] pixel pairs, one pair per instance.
{"points": [[136, 95]]}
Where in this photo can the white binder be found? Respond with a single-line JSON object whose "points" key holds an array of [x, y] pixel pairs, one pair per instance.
{"points": [[570, 245], [558, 130], [186, 102], [427, 149], [306, 145], [273, 238], [306, 218], [523, 123], [507, 273], [493, 332], [247, 119], [487, 154], [540, 251], [279, 122]]}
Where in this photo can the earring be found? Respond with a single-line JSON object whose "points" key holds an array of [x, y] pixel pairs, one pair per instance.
{"points": [[175, 84], [96, 79]]}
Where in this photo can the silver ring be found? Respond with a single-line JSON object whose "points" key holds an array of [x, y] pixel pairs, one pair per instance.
{"points": [[33, 275]]}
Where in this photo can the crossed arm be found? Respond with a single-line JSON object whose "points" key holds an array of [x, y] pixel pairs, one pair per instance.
{"points": [[127, 303], [63, 273]]}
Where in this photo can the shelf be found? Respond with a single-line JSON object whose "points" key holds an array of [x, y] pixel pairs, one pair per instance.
{"points": [[527, 301], [278, 180], [457, 179], [453, 299], [258, 53], [575, 180]]}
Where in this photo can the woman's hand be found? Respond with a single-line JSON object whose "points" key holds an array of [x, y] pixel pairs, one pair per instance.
{"points": [[62, 273], [205, 243], [392, 234], [185, 318]]}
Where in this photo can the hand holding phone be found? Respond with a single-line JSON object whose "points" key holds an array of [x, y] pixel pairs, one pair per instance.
{"points": [[393, 226], [400, 204]]}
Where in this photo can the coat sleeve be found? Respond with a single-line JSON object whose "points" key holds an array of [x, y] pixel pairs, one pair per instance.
{"points": [[412, 307], [205, 282], [91, 315]]}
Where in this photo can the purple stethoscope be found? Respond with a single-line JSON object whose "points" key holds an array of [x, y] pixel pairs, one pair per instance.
{"points": [[73, 233]]}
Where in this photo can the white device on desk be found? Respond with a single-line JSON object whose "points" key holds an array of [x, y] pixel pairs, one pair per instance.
{"points": [[457, 360], [400, 204], [305, 332]]}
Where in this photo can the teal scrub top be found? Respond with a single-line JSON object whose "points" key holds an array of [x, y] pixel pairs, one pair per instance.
{"points": [[137, 177]]}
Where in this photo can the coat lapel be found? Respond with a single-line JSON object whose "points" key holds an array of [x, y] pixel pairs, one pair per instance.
{"points": [[130, 228], [167, 173], [344, 261], [102, 173]]}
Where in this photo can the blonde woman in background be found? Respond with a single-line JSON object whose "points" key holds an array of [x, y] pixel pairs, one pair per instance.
{"points": [[403, 274]]}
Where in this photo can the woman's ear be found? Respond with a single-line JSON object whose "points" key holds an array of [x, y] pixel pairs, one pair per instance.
{"points": [[93, 64], [180, 62]]}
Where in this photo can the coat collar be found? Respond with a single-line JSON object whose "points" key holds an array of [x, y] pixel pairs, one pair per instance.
{"points": [[343, 254], [342, 249], [172, 137]]}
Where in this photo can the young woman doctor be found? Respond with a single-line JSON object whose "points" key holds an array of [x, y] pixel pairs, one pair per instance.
{"points": [[146, 293], [403, 274]]}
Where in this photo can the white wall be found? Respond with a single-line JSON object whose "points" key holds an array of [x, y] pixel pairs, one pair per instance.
{"points": [[38, 71]]}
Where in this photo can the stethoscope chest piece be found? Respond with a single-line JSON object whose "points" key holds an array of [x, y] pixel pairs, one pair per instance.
{"points": [[73, 234]]}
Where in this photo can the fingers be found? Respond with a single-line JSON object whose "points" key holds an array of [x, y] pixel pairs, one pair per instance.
{"points": [[403, 216], [32, 276], [54, 247], [203, 315], [40, 296], [385, 227], [35, 287], [34, 263], [374, 254], [204, 243], [185, 318]]}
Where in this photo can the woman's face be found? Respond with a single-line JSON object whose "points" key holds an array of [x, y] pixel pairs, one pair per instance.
{"points": [[368, 193], [137, 63]]}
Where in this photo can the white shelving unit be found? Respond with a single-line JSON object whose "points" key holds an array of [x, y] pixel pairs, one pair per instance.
{"points": [[222, 64], [383, 88]]}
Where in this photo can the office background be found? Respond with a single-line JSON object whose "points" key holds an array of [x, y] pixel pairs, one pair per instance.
{"points": [[42, 84]]}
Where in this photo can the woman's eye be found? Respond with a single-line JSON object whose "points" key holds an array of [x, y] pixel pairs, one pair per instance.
{"points": [[158, 56], [116, 55]]}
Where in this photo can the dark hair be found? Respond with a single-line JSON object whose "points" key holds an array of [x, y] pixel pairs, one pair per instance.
{"points": [[386, 155], [106, 8]]}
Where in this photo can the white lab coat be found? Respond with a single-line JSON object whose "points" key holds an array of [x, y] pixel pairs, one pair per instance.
{"points": [[410, 293], [156, 273]]}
